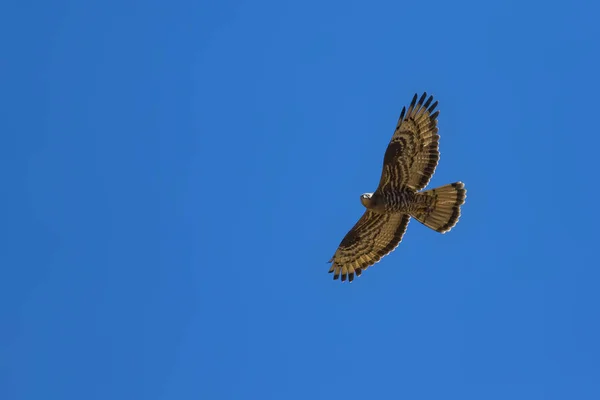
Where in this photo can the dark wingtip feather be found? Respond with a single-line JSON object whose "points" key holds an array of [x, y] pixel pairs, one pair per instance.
{"points": [[402, 114], [422, 99], [433, 106], [350, 277], [414, 100], [429, 100]]}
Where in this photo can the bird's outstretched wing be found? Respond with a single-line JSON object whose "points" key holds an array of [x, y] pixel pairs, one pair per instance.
{"points": [[412, 154], [373, 237]]}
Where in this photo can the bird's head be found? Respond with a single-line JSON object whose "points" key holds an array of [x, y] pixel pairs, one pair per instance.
{"points": [[366, 199]]}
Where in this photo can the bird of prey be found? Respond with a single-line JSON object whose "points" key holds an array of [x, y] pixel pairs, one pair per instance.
{"points": [[408, 164]]}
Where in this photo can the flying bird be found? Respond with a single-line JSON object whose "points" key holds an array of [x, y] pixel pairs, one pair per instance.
{"points": [[408, 164]]}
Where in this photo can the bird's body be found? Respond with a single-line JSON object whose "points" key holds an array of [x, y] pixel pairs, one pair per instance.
{"points": [[401, 201], [409, 162]]}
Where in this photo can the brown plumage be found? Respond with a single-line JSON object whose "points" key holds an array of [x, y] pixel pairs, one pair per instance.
{"points": [[408, 164]]}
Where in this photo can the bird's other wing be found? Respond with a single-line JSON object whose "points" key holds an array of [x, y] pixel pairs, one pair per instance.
{"points": [[372, 238], [412, 154]]}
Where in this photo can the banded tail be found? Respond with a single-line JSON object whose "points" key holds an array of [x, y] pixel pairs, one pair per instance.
{"points": [[443, 208]]}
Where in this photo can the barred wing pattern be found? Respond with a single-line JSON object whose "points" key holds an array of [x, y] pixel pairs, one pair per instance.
{"points": [[372, 238], [412, 154]]}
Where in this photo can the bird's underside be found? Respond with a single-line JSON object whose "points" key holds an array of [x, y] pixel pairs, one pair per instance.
{"points": [[408, 164]]}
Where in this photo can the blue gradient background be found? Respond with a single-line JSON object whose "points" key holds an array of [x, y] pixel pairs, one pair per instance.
{"points": [[176, 174]]}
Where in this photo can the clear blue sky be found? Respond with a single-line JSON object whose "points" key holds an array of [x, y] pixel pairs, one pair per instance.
{"points": [[176, 174]]}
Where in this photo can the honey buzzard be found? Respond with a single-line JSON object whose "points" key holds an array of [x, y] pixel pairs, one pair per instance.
{"points": [[409, 162]]}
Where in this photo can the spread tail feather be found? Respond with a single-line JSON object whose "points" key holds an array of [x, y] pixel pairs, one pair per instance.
{"points": [[443, 207]]}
